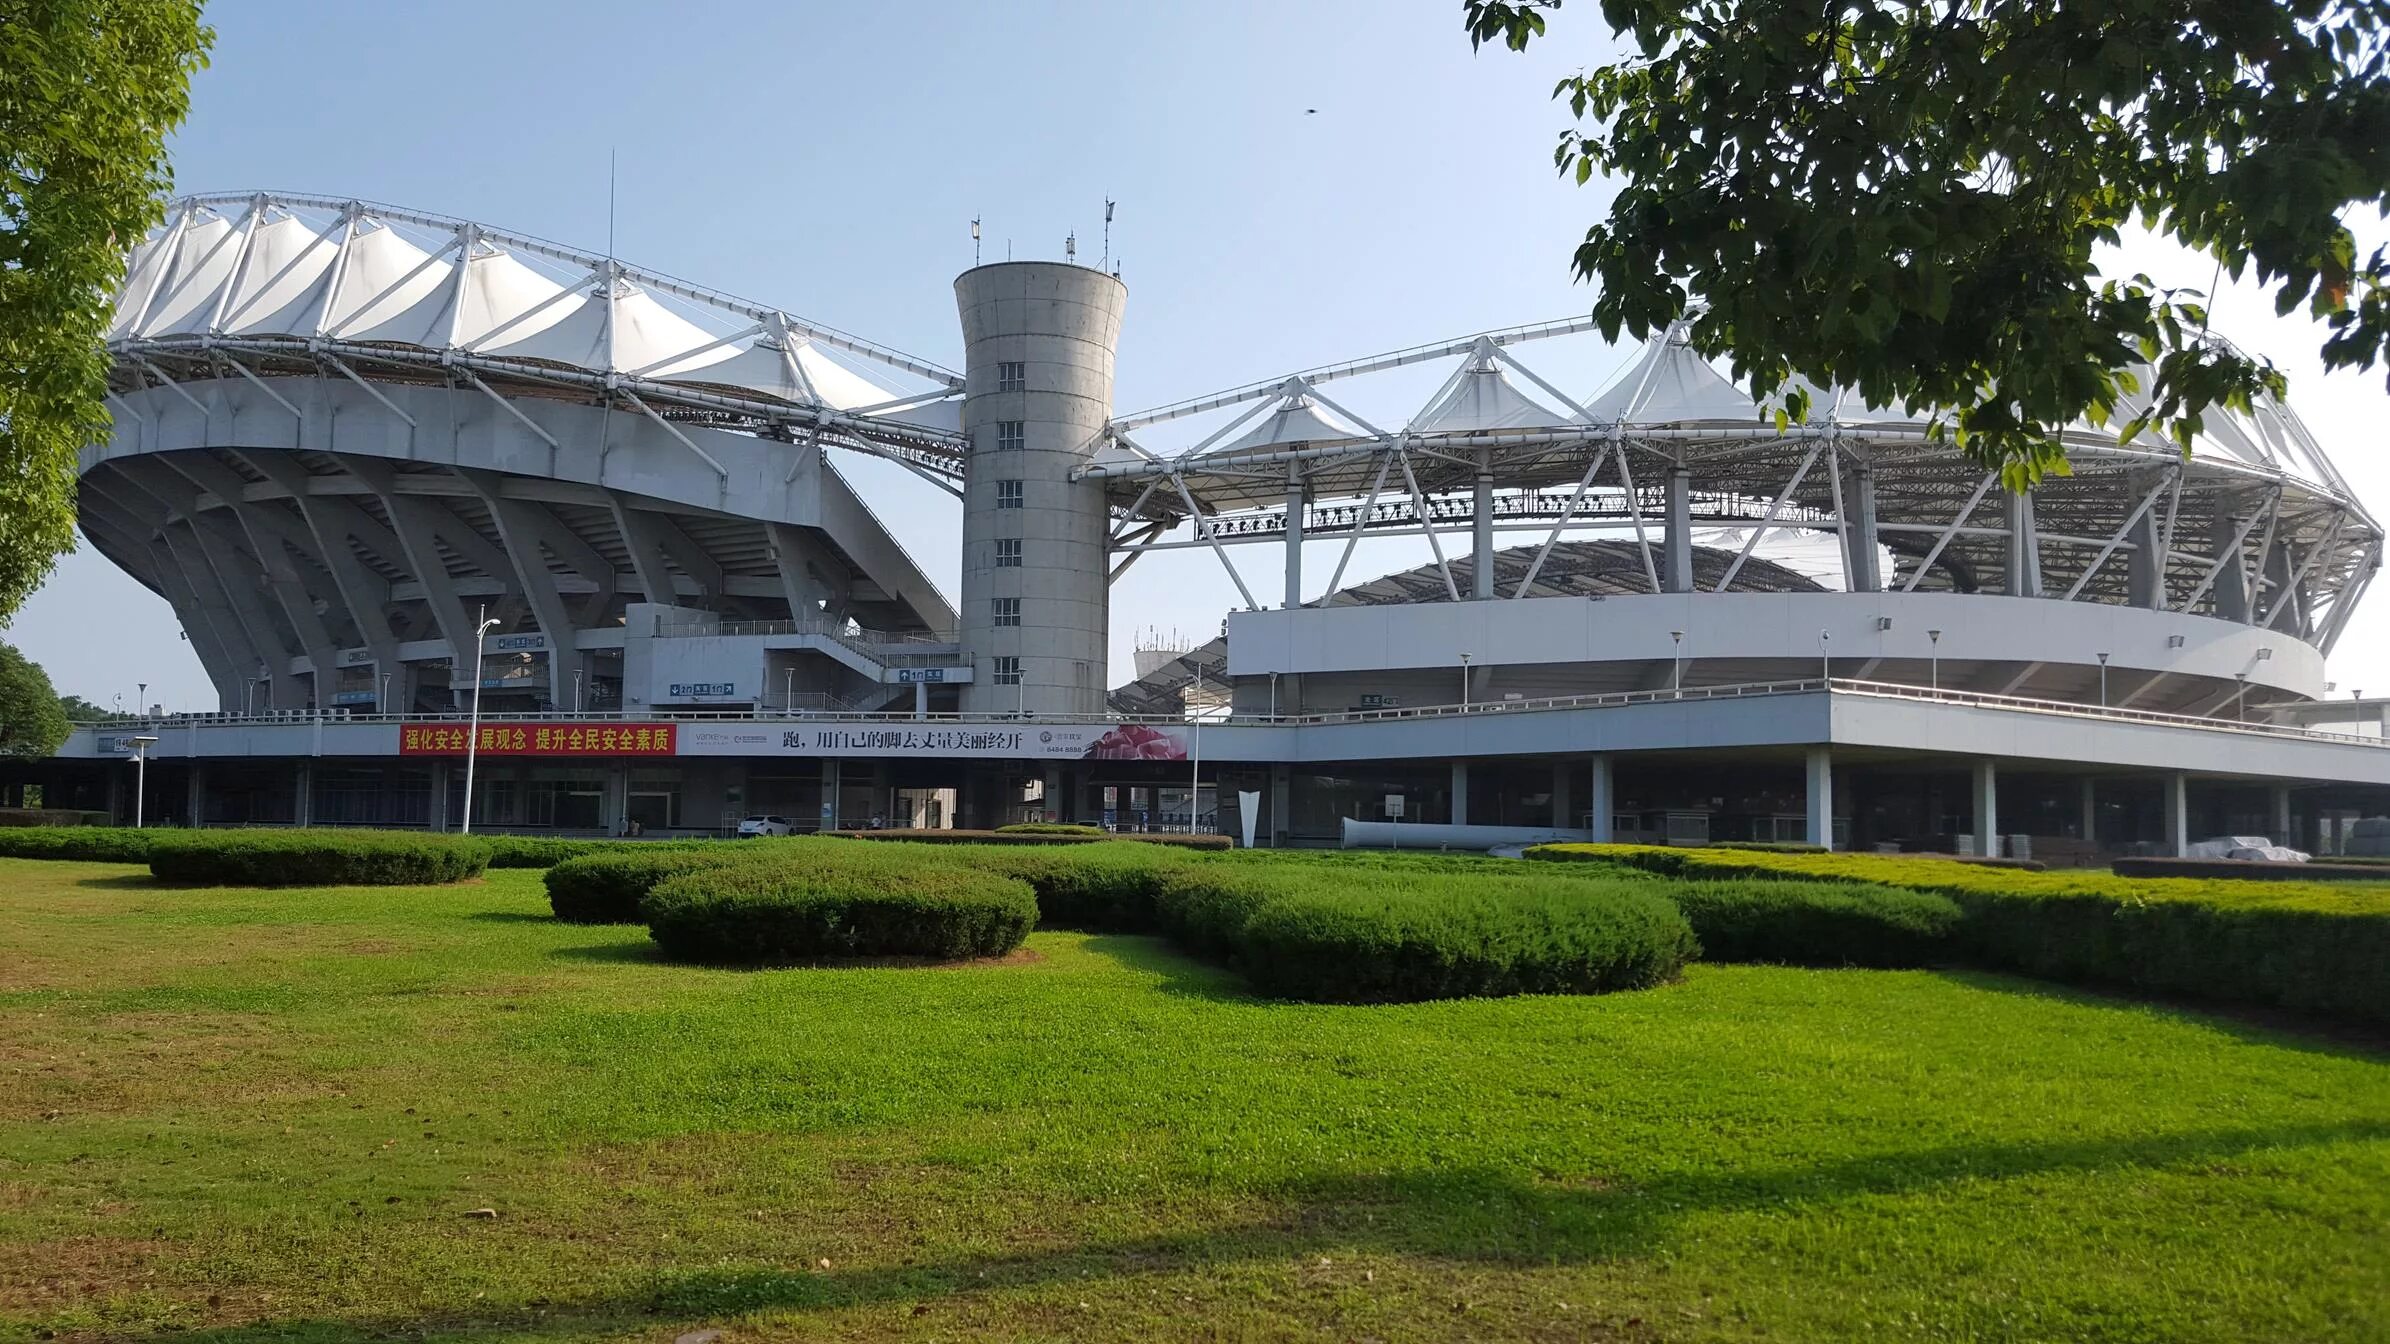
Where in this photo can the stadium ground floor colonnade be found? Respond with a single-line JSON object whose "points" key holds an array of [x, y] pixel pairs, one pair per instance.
{"points": [[1846, 764]]}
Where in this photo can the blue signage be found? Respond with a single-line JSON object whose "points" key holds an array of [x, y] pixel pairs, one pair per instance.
{"points": [[353, 697], [690, 690], [906, 676]]}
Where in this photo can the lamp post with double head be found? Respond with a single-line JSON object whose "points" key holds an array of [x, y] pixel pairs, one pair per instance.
{"points": [[473, 720]]}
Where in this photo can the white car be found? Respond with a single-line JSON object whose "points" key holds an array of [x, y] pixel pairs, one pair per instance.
{"points": [[755, 826]]}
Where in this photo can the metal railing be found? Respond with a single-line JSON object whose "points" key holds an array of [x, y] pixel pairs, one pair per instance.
{"points": [[1477, 709]]}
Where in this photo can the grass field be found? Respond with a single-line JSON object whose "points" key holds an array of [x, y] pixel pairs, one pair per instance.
{"points": [[270, 1115]]}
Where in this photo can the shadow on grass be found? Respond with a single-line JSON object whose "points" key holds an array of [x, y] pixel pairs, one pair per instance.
{"points": [[2248, 1024], [642, 951], [1175, 972], [1467, 1217], [140, 881], [514, 917]]}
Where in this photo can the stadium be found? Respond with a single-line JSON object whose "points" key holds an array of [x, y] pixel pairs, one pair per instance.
{"points": [[413, 484]]}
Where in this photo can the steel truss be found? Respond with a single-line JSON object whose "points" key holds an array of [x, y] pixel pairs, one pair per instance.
{"points": [[2261, 529]]}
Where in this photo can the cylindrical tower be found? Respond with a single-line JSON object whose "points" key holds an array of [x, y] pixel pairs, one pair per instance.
{"points": [[1038, 341]]}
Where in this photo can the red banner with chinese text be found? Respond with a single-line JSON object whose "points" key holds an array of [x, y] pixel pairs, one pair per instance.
{"points": [[519, 739]]}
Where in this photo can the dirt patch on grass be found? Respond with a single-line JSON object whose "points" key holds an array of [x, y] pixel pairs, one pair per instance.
{"points": [[47, 1275]]}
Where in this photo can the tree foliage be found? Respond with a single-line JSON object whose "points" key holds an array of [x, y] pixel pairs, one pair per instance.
{"points": [[32, 723], [89, 90], [1904, 196]]}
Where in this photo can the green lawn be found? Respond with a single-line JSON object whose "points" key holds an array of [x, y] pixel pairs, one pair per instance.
{"points": [[267, 1115]]}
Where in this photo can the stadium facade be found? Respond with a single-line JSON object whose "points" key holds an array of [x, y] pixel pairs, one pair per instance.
{"points": [[353, 440]]}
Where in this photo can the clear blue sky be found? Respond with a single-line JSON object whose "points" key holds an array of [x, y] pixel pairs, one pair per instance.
{"points": [[827, 159]]}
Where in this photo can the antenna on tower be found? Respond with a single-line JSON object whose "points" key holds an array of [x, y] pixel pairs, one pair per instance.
{"points": [[609, 202], [1070, 246], [1108, 204], [975, 240]]}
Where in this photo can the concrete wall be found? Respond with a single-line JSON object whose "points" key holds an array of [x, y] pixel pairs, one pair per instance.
{"points": [[1755, 630], [1059, 322]]}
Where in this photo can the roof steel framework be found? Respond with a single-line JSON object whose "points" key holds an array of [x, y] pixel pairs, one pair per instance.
{"points": [[2253, 522]]}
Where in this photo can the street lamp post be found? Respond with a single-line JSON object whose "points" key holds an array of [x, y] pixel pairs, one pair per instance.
{"points": [[2103, 681], [1825, 660], [1936, 637], [473, 720], [381, 702], [141, 698], [1676, 656], [788, 689], [1464, 683], [141, 746], [576, 690]]}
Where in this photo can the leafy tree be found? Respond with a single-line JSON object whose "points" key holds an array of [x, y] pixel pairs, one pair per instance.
{"points": [[31, 722], [89, 90], [79, 710], [1903, 196]]}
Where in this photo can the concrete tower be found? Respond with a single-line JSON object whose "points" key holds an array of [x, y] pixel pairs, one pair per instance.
{"points": [[1038, 341]]}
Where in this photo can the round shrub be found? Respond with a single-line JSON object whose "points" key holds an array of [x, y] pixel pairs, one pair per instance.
{"points": [[775, 912], [87, 844], [1462, 938], [304, 858], [1817, 923], [607, 886]]}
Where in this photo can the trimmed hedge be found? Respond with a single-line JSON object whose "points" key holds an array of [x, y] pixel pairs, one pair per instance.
{"points": [[86, 844], [778, 912], [1462, 938], [1818, 923], [546, 851], [52, 816], [1015, 838], [1053, 828], [2249, 870], [1098, 888], [606, 887], [301, 858], [2318, 947]]}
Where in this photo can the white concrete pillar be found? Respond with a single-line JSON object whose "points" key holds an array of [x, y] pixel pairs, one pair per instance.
{"points": [[1460, 793], [1861, 563], [1677, 574], [1601, 802], [1820, 796], [1481, 560], [2091, 809], [1560, 798], [2281, 814], [439, 801], [1282, 803], [2178, 814], [2231, 588], [302, 803], [920, 699], [195, 806], [2024, 546], [2144, 576], [1294, 535], [828, 820], [1987, 808]]}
